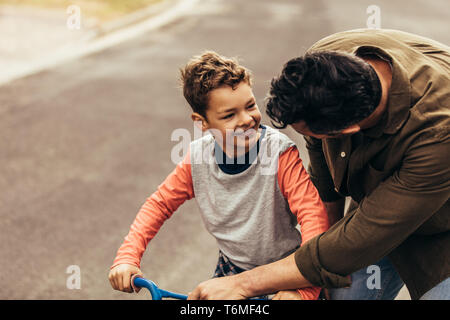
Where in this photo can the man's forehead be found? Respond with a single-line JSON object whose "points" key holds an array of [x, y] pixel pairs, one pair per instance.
{"points": [[300, 125]]}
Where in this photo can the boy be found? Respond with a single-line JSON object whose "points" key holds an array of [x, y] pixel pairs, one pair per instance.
{"points": [[248, 180]]}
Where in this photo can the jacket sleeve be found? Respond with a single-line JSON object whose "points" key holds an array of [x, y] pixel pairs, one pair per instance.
{"points": [[318, 171], [384, 219], [172, 193], [304, 202]]}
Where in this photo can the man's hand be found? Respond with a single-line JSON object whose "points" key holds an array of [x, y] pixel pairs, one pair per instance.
{"points": [[287, 295], [279, 275], [120, 277], [224, 288]]}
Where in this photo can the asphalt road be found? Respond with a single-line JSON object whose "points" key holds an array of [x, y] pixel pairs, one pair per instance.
{"points": [[84, 144]]}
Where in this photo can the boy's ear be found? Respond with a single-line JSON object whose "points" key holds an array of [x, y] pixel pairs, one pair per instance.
{"points": [[200, 120]]}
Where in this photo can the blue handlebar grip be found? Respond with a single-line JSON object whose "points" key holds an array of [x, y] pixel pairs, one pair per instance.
{"points": [[168, 294], [157, 294], [150, 285]]}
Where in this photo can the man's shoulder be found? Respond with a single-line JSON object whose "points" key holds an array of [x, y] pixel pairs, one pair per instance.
{"points": [[431, 123], [350, 40]]}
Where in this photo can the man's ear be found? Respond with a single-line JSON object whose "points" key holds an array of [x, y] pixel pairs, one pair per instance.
{"points": [[200, 121], [352, 129]]}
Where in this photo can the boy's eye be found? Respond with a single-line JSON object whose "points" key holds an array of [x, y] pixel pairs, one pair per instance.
{"points": [[251, 106], [228, 116]]}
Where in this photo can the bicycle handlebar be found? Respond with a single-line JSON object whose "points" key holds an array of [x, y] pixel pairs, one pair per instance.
{"points": [[157, 293]]}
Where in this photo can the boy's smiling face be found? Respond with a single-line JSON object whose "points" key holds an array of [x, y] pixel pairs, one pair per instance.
{"points": [[233, 117]]}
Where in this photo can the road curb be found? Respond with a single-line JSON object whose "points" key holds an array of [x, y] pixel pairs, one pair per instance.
{"points": [[135, 17], [109, 35]]}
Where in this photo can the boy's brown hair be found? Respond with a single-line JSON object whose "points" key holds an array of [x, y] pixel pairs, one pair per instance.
{"points": [[207, 72]]}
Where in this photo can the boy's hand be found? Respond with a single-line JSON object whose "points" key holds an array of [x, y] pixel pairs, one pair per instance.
{"points": [[287, 295], [120, 277]]}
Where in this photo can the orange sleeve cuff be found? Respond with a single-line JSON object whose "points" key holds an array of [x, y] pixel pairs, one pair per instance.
{"points": [[310, 293]]}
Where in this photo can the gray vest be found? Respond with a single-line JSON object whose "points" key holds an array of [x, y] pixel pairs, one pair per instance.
{"points": [[246, 212]]}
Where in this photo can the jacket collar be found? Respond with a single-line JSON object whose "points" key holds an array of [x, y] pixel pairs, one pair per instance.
{"points": [[399, 96]]}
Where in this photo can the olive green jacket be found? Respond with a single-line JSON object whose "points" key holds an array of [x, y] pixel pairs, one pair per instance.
{"points": [[398, 173]]}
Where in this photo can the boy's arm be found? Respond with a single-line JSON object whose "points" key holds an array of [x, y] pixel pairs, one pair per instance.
{"points": [[174, 191], [304, 202]]}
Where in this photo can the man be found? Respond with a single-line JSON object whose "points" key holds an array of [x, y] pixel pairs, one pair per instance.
{"points": [[374, 107]]}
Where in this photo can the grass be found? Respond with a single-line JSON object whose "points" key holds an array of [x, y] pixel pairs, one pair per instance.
{"points": [[103, 10]]}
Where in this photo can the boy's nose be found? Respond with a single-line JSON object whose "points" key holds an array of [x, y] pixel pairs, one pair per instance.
{"points": [[245, 121]]}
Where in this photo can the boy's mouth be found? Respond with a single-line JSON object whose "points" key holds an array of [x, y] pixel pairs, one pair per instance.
{"points": [[245, 133]]}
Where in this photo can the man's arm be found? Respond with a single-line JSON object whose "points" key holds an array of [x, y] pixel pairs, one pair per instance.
{"points": [[279, 275], [384, 219], [335, 210]]}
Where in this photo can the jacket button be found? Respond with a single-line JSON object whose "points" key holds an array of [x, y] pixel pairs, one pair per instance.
{"points": [[343, 154]]}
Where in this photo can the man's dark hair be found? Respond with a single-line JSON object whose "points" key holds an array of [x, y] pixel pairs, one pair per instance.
{"points": [[328, 90]]}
